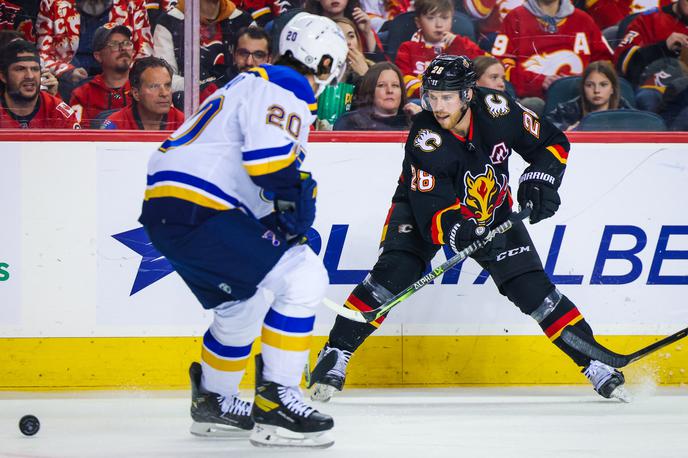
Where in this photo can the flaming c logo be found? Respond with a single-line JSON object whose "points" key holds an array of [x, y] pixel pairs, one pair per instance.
{"points": [[484, 194]]}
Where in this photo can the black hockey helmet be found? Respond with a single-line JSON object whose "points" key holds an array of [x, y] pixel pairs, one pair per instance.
{"points": [[447, 72]]}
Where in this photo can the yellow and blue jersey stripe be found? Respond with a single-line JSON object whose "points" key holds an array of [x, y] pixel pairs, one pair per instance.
{"points": [[187, 187], [269, 160]]}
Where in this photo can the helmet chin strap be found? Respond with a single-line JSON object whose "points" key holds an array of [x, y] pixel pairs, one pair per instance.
{"points": [[322, 84]]}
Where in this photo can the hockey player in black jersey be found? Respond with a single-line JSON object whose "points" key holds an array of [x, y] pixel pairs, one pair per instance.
{"points": [[453, 189]]}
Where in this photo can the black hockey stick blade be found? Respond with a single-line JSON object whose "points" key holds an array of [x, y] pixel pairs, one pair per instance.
{"points": [[372, 315], [592, 349]]}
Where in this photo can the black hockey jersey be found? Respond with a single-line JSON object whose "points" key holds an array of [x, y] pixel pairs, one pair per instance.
{"points": [[446, 178]]}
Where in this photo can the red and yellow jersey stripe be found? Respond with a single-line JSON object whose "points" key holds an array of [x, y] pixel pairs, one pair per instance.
{"points": [[436, 231]]}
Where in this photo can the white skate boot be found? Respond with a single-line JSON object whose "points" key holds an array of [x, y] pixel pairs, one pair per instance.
{"points": [[607, 381]]}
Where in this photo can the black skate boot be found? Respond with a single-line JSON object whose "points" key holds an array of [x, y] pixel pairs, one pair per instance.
{"points": [[206, 411], [329, 373], [607, 381], [277, 407]]}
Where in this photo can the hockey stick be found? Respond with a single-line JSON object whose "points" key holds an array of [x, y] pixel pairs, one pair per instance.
{"points": [[582, 342], [372, 315]]}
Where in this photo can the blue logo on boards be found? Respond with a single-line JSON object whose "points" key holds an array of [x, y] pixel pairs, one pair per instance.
{"points": [[153, 266]]}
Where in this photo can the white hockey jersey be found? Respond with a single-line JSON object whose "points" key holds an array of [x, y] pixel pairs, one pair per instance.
{"points": [[246, 141]]}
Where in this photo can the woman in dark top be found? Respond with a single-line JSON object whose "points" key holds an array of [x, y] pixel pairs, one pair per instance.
{"points": [[599, 92], [381, 102]]}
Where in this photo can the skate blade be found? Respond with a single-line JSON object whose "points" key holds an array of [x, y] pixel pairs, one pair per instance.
{"points": [[622, 394], [218, 431], [322, 393], [274, 436]]}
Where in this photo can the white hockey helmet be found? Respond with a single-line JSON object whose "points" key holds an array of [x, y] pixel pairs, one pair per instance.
{"points": [[309, 38]]}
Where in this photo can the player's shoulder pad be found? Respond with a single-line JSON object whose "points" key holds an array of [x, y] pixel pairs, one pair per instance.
{"points": [[425, 134], [289, 79], [496, 103]]}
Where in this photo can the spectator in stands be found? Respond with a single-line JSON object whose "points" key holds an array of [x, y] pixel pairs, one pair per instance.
{"points": [[381, 11], [653, 36], [545, 40], [112, 49], [252, 48], [490, 72], [488, 16], [220, 20], [351, 9], [608, 13], [356, 63], [434, 37], [674, 108], [265, 11], [65, 32], [151, 88], [382, 102], [23, 104], [19, 15], [48, 81], [155, 9], [599, 92]]}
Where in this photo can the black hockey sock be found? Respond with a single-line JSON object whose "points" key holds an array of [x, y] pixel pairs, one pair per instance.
{"points": [[349, 335], [393, 272], [566, 314]]}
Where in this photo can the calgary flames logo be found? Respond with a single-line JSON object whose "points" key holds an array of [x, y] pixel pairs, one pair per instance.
{"points": [[484, 194], [552, 63], [427, 140]]}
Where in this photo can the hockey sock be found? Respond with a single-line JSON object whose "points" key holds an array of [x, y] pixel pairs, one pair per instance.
{"points": [[349, 335], [286, 342], [564, 313], [393, 272], [223, 365]]}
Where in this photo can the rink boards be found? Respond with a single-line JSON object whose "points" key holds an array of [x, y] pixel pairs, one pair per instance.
{"points": [[84, 303]]}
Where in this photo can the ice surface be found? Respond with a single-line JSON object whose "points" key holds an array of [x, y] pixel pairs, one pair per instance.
{"points": [[514, 422]]}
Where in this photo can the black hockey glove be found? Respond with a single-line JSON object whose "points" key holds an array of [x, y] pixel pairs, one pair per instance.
{"points": [[464, 233], [540, 189], [492, 249], [295, 217]]}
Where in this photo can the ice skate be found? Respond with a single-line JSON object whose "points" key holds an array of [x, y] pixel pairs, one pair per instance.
{"points": [[284, 420], [328, 374], [209, 420], [607, 381]]}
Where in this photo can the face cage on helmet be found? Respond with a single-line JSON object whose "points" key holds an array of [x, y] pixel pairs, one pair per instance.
{"points": [[425, 100]]}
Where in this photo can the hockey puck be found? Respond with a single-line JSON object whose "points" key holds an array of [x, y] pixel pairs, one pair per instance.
{"points": [[29, 425]]}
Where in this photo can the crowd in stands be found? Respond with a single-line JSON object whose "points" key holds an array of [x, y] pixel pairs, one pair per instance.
{"points": [[119, 64]]}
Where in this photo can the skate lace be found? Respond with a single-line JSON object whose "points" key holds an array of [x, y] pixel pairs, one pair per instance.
{"points": [[292, 400], [234, 406], [598, 373], [342, 361]]}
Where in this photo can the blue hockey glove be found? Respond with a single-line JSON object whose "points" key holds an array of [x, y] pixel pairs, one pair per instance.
{"points": [[540, 189], [295, 217]]}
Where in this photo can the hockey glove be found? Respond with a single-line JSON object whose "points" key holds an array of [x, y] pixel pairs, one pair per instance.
{"points": [[538, 188], [464, 233], [295, 217], [491, 249]]}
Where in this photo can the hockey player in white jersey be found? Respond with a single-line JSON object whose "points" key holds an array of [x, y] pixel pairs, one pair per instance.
{"points": [[226, 204]]}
